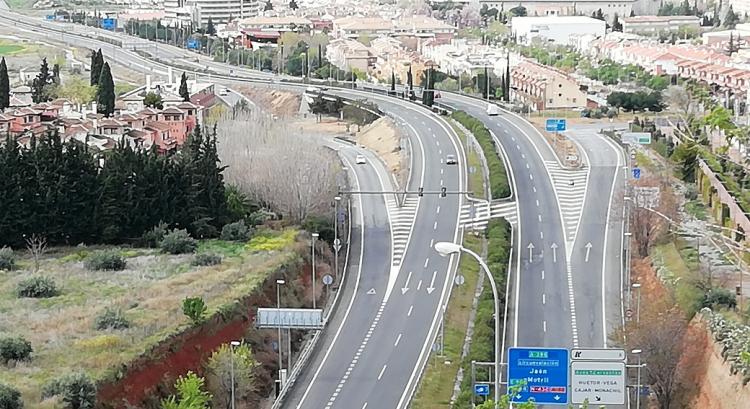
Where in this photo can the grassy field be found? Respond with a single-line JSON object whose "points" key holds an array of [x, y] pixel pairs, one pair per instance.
{"points": [[149, 292], [10, 48], [678, 265], [476, 179], [436, 387]]}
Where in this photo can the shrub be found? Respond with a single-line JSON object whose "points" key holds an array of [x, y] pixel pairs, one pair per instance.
{"points": [[111, 318], [10, 398], [14, 349], [7, 259], [77, 391], [206, 259], [194, 308], [106, 260], [719, 297], [237, 231], [260, 216], [320, 225], [178, 242], [153, 237], [37, 287]]}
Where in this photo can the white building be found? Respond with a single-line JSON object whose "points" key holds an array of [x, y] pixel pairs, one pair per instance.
{"points": [[220, 11], [652, 25], [556, 29], [566, 7]]}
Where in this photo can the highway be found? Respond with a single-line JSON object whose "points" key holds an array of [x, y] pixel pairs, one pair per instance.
{"points": [[375, 348], [566, 282]]}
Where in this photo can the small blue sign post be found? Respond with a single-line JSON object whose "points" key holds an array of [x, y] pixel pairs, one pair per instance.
{"points": [[482, 390], [636, 173], [193, 44], [539, 375], [556, 125]]}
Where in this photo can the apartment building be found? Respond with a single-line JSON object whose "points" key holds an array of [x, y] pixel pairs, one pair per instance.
{"points": [[542, 87], [412, 31], [555, 29], [348, 54], [565, 8], [653, 25], [219, 11]]}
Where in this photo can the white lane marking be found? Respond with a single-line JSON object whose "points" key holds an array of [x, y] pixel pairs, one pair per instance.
{"points": [[382, 371], [419, 285], [437, 143], [539, 217], [523, 156], [537, 202], [437, 211], [441, 182], [397, 340], [518, 147], [434, 227], [440, 151], [408, 314], [541, 234], [364, 406], [441, 171], [531, 176], [432, 242], [534, 188], [427, 260], [544, 327], [527, 166], [513, 138], [542, 274], [544, 301]]}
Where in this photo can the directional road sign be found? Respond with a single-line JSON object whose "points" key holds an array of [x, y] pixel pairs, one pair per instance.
{"points": [[556, 125], [633, 138], [636, 173], [599, 383], [538, 374], [579, 354], [482, 390]]}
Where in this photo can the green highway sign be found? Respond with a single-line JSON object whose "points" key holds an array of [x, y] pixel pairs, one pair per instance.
{"points": [[598, 382]]}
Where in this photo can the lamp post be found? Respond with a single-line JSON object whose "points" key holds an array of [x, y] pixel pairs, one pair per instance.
{"points": [[312, 245], [232, 345], [637, 352], [336, 242], [637, 287], [447, 248], [279, 282]]}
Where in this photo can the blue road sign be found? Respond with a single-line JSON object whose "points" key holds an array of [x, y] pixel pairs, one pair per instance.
{"points": [[482, 390], [193, 44], [636, 173], [539, 375], [556, 125], [109, 24]]}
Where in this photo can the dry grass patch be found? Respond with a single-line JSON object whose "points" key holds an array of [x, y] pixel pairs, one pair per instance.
{"points": [[149, 292]]}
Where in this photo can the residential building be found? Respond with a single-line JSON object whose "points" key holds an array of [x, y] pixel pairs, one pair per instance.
{"points": [[543, 87], [348, 55], [653, 25], [565, 8], [276, 24], [393, 58], [412, 31], [555, 29], [220, 11]]}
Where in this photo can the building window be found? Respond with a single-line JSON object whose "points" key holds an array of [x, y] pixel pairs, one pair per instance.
{"points": [[574, 100], [550, 100]]}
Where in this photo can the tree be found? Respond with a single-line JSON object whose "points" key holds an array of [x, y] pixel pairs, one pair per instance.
{"points": [[97, 62], [190, 394], [616, 25], [105, 94], [77, 90], [518, 11], [184, 93], [650, 224], [293, 5], [210, 29], [393, 81], [10, 398], [195, 309], [632, 13], [153, 100], [731, 19], [269, 6], [40, 82], [219, 374], [410, 79], [4, 85], [56, 74]]}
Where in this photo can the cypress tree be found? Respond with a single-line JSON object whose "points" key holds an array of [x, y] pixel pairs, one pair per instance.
{"points": [[40, 82], [393, 81], [97, 62], [506, 92], [210, 29], [56, 74], [320, 55], [105, 94], [4, 85], [184, 93]]}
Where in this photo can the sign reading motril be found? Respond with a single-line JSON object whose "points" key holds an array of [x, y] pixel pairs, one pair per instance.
{"points": [[599, 383]]}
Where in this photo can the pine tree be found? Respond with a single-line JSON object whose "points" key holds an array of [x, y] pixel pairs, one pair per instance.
{"points": [[39, 83], [184, 93], [97, 61], [105, 94], [268, 6], [393, 81], [4, 85], [210, 29], [632, 13], [731, 19], [293, 5]]}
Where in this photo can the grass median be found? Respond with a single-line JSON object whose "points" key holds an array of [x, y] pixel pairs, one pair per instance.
{"points": [[498, 176]]}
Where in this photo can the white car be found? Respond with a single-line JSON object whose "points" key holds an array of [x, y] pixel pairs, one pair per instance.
{"points": [[493, 110], [450, 160], [360, 160], [223, 92]]}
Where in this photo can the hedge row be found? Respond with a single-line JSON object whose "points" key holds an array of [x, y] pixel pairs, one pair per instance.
{"points": [[498, 176], [482, 343]]}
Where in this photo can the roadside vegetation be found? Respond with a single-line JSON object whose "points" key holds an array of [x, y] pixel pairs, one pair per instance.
{"points": [[499, 184]]}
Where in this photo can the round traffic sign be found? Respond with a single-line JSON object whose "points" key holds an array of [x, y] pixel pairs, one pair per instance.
{"points": [[629, 313], [459, 280], [327, 279], [337, 242]]}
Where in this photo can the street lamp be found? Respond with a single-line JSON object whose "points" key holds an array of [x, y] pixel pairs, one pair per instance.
{"points": [[232, 345], [336, 242], [637, 352], [445, 249], [637, 287], [279, 282], [312, 245]]}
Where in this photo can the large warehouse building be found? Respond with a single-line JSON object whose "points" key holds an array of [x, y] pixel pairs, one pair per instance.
{"points": [[555, 29]]}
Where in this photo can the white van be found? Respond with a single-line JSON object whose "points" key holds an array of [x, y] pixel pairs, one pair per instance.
{"points": [[493, 110]]}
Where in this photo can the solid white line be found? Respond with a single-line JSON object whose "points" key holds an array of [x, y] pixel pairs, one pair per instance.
{"points": [[397, 340], [408, 314], [381, 372], [354, 295]]}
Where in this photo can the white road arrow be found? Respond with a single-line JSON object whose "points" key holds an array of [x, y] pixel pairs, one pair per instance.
{"points": [[554, 252], [588, 250], [531, 251], [371, 292], [405, 288], [431, 288]]}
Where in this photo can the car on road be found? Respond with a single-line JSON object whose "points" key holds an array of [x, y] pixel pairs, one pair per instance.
{"points": [[450, 160], [223, 92], [493, 110], [360, 160]]}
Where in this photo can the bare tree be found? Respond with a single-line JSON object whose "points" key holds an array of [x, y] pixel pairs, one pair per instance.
{"points": [[277, 165], [36, 245], [649, 225]]}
